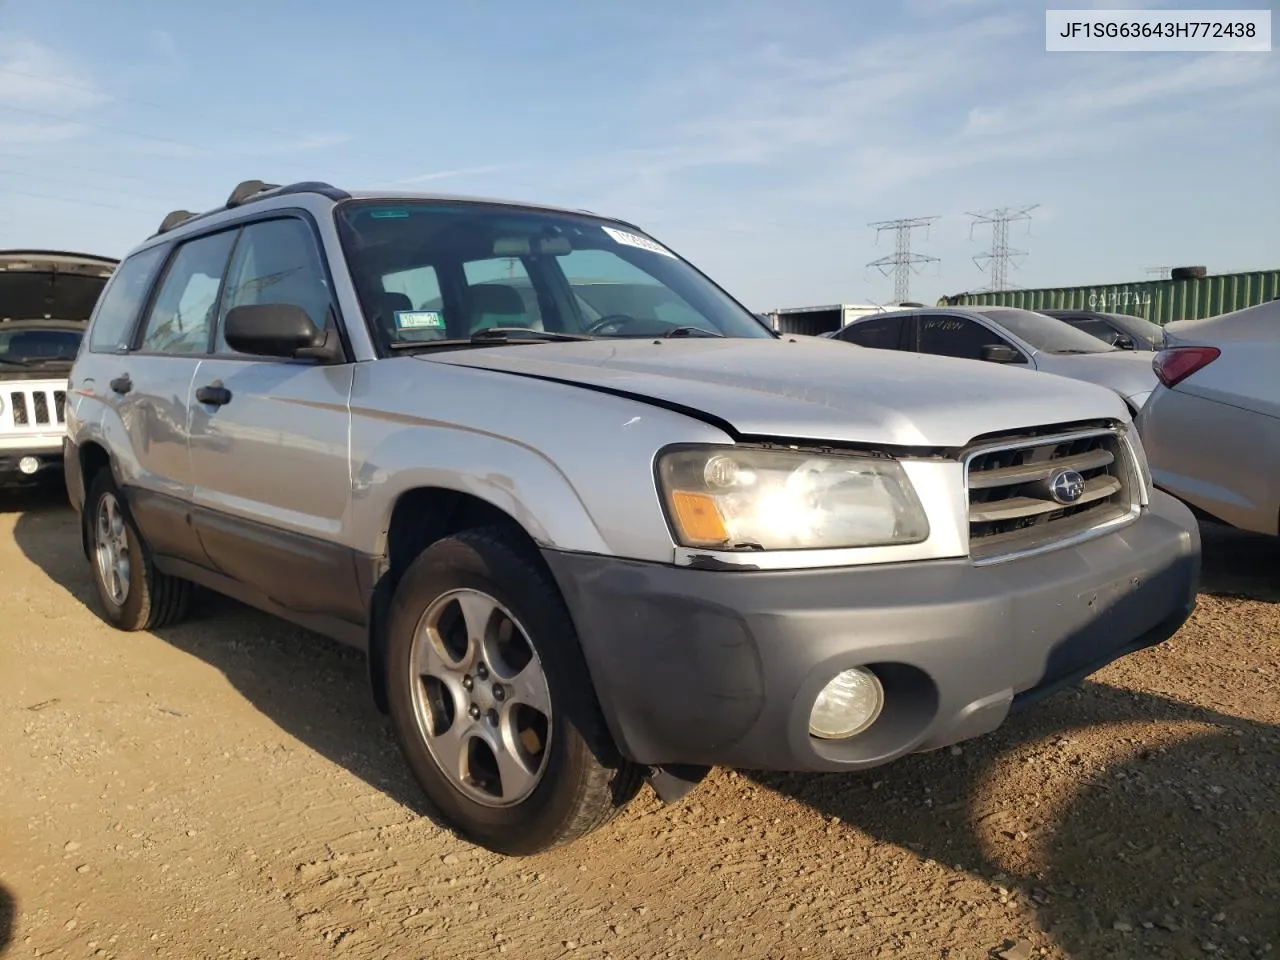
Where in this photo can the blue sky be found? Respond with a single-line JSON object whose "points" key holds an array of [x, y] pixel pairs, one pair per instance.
{"points": [[757, 138]]}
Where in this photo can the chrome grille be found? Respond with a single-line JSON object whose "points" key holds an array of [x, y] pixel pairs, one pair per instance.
{"points": [[38, 408], [1012, 506]]}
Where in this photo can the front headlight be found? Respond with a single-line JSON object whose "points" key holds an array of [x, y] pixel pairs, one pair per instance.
{"points": [[750, 498]]}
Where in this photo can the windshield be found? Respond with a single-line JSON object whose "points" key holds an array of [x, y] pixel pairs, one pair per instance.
{"points": [[430, 270], [34, 345], [1046, 334]]}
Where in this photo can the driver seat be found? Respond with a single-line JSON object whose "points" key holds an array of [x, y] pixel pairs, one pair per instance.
{"points": [[497, 305]]}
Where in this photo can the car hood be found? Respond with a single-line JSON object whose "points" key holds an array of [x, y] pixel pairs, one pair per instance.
{"points": [[809, 388], [1127, 372], [35, 284]]}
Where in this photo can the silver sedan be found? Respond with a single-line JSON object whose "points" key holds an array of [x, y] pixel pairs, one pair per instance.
{"points": [[1212, 426], [1021, 338]]}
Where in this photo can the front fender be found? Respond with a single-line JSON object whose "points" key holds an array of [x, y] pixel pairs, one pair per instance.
{"points": [[572, 466]]}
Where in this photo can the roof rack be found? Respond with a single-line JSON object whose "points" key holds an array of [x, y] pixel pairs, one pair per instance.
{"points": [[247, 192]]}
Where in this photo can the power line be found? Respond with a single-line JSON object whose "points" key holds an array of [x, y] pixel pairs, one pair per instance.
{"points": [[1001, 255], [902, 262], [86, 203], [21, 175]]}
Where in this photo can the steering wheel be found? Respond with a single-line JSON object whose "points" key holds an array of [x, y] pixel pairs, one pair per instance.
{"points": [[616, 320]]}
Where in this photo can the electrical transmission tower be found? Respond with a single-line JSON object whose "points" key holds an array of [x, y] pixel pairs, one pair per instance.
{"points": [[1161, 272], [1001, 255], [902, 262]]}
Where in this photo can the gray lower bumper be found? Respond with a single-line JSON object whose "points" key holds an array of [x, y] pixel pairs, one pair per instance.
{"points": [[721, 668], [48, 463]]}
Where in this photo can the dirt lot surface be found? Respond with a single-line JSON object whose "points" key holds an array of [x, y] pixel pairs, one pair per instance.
{"points": [[226, 789]]}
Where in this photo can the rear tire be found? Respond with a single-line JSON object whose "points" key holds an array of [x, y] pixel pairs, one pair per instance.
{"points": [[133, 593], [491, 701]]}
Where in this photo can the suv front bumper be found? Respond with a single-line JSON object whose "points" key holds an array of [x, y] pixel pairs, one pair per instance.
{"points": [[48, 463], [722, 668]]}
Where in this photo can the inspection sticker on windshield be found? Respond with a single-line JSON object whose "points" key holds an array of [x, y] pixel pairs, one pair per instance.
{"points": [[632, 240], [419, 320]]}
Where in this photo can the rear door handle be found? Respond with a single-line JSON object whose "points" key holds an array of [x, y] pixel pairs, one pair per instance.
{"points": [[122, 384], [215, 395]]}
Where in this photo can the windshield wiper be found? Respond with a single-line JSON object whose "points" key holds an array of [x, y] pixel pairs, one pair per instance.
{"points": [[31, 361], [493, 336], [692, 332], [13, 363]]}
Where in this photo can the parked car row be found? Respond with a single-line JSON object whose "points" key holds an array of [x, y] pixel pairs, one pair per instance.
{"points": [[1215, 445], [594, 524]]}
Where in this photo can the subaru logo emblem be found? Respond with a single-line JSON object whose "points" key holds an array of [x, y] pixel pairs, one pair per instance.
{"points": [[1067, 486]]}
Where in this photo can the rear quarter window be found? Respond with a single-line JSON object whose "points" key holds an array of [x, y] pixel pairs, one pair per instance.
{"points": [[111, 326]]}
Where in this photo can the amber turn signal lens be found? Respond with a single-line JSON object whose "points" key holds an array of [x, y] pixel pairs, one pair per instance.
{"points": [[698, 518]]}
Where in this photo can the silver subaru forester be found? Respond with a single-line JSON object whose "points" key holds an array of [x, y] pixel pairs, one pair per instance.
{"points": [[595, 524]]}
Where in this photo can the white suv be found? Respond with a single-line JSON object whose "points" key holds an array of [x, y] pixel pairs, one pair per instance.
{"points": [[45, 302]]}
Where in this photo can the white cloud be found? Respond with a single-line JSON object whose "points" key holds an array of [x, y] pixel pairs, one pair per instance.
{"points": [[458, 173], [35, 76], [164, 43], [15, 133]]}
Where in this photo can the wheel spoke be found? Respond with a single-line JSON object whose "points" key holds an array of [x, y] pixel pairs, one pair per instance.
{"points": [[450, 746], [529, 687], [514, 775], [477, 613]]}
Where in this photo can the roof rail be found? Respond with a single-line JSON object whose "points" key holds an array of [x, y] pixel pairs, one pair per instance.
{"points": [[250, 190], [246, 190], [174, 218]]}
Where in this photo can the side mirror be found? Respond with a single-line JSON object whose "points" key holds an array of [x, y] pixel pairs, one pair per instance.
{"points": [[1000, 353], [273, 330], [1124, 342]]}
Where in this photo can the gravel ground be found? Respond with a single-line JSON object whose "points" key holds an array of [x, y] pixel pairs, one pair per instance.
{"points": [[226, 789]]}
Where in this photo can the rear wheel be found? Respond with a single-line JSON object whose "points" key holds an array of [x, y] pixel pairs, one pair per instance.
{"points": [[134, 594], [491, 701]]}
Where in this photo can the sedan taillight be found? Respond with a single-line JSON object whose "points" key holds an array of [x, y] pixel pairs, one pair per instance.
{"points": [[1175, 364]]}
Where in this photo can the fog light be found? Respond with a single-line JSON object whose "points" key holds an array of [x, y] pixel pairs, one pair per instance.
{"points": [[847, 705], [28, 465]]}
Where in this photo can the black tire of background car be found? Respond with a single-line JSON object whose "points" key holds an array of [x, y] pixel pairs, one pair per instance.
{"points": [[1187, 273], [154, 599], [585, 783]]}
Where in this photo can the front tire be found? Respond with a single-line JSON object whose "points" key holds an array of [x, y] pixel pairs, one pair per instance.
{"points": [[133, 593], [491, 701]]}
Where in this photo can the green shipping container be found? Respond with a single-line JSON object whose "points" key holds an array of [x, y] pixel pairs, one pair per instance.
{"points": [[1160, 301]]}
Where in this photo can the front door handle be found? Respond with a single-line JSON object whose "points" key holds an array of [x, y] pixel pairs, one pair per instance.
{"points": [[122, 384], [215, 394]]}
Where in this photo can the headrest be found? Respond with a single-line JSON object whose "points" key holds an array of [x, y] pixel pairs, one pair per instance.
{"points": [[494, 298], [389, 302]]}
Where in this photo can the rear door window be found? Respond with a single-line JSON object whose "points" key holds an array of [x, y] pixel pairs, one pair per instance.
{"points": [[182, 317], [111, 330]]}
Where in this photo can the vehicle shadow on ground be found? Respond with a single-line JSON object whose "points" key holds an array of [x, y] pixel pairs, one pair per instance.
{"points": [[1141, 842], [1136, 842], [8, 918], [314, 689], [1238, 564]]}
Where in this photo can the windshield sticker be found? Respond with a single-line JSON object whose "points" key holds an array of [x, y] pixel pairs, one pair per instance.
{"points": [[389, 214], [632, 240], [419, 320]]}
